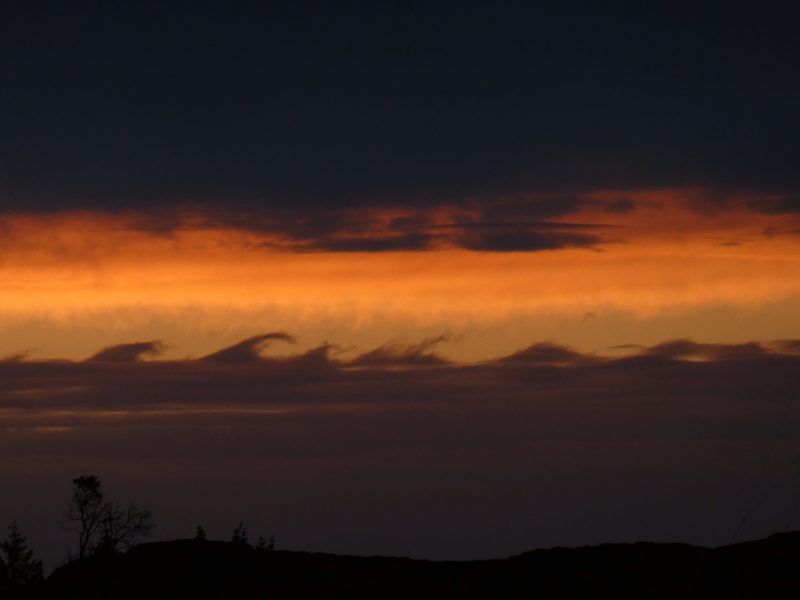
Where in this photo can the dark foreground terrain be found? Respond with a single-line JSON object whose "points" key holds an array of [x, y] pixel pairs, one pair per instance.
{"points": [[766, 568]]}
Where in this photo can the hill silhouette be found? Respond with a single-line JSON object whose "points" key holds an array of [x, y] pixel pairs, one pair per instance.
{"points": [[211, 569]]}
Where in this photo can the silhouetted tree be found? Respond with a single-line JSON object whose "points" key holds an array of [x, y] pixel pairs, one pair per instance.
{"points": [[84, 511], [240, 535], [103, 526], [119, 526], [263, 544], [3, 575], [21, 567], [200, 534]]}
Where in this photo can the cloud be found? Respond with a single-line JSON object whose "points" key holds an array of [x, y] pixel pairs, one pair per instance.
{"points": [[425, 231], [687, 349], [388, 373], [410, 241], [787, 346], [503, 224], [248, 350], [531, 223], [417, 355], [515, 224], [313, 361], [520, 240], [546, 353], [17, 357], [783, 203], [128, 352]]}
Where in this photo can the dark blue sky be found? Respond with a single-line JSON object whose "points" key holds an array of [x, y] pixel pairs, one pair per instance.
{"points": [[116, 106]]}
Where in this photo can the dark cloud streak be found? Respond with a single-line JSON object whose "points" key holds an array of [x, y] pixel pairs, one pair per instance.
{"points": [[129, 352], [687, 349], [388, 355], [520, 240], [248, 350], [545, 353], [394, 243]]}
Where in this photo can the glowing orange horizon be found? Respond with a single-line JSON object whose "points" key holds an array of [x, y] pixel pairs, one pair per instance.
{"points": [[659, 258]]}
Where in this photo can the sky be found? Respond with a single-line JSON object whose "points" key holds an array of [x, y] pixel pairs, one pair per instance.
{"points": [[445, 281]]}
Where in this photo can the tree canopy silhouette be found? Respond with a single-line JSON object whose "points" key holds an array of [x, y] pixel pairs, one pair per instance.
{"points": [[239, 535], [3, 574], [103, 525], [200, 534], [18, 564]]}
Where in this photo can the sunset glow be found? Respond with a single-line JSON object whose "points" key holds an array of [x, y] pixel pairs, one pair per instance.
{"points": [[437, 281], [657, 260]]}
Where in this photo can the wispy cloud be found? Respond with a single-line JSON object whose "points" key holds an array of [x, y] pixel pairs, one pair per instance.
{"points": [[415, 355], [129, 352], [248, 350], [546, 353]]}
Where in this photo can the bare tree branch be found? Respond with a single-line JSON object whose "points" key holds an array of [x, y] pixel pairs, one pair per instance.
{"points": [[101, 525]]}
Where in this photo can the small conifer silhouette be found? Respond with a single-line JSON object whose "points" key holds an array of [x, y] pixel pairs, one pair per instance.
{"points": [[22, 568]]}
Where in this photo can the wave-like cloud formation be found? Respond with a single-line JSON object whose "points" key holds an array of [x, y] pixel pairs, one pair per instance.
{"points": [[389, 355], [247, 350], [129, 352], [239, 367], [687, 349], [546, 353], [423, 354]]}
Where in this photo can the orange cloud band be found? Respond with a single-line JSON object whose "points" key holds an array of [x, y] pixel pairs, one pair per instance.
{"points": [[658, 259], [59, 265]]}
